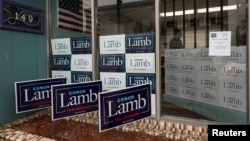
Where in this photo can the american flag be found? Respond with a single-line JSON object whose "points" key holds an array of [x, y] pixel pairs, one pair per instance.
{"points": [[75, 15]]}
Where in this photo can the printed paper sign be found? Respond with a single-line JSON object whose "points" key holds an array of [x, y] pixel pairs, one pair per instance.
{"points": [[189, 54], [112, 81], [238, 55], [173, 78], [188, 80], [234, 71], [138, 63], [140, 43], [233, 86], [188, 67], [232, 101], [112, 44], [61, 62], [208, 95], [172, 89], [220, 43], [112, 63], [81, 62], [172, 67], [35, 94], [80, 76], [75, 98], [122, 106], [188, 92], [133, 79], [61, 46], [208, 69], [62, 74], [172, 54], [81, 45]]}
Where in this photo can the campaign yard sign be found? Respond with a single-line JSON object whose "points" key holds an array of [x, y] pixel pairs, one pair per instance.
{"points": [[34, 94], [122, 106], [75, 98]]}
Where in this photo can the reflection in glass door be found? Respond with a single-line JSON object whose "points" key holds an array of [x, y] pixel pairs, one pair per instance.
{"points": [[196, 84]]}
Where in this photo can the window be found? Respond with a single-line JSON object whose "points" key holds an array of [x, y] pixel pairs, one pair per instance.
{"points": [[198, 85]]}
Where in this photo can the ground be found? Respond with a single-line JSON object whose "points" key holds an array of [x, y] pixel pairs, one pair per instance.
{"points": [[64, 130], [86, 128]]}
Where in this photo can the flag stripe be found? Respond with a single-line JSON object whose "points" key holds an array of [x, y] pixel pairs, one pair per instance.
{"points": [[73, 19]]}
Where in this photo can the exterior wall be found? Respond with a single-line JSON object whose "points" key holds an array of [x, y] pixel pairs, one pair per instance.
{"points": [[23, 56]]}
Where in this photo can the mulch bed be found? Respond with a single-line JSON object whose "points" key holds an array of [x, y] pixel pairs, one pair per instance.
{"points": [[63, 130], [85, 127]]}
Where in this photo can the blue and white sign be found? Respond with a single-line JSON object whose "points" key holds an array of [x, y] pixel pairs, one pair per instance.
{"points": [[81, 62], [61, 62], [80, 76], [76, 98], [133, 79], [35, 94], [81, 45], [111, 80], [140, 43], [112, 44], [122, 106], [60, 74], [61, 46], [112, 63], [138, 63]]}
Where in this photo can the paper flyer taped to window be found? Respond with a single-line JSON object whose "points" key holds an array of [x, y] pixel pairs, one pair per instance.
{"points": [[220, 43]]}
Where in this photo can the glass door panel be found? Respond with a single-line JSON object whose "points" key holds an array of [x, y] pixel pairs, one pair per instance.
{"points": [[198, 85]]}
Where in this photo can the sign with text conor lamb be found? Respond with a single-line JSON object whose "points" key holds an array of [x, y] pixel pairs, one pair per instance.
{"points": [[122, 106], [75, 98], [35, 94]]}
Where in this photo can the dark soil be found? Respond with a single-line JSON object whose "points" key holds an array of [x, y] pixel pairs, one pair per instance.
{"points": [[66, 130], [69, 130]]}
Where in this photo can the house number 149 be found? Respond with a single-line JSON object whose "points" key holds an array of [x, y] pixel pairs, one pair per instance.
{"points": [[23, 15]]}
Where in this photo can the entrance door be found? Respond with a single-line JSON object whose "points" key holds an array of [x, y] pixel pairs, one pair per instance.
{"points": [[197, 83]]}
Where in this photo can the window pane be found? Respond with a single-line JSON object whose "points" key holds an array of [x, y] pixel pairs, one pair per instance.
{"points": [[202, 26], [199, 85], [124, 17]]}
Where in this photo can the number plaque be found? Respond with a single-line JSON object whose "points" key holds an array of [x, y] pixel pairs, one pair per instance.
{"points": [[20, 17]]}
